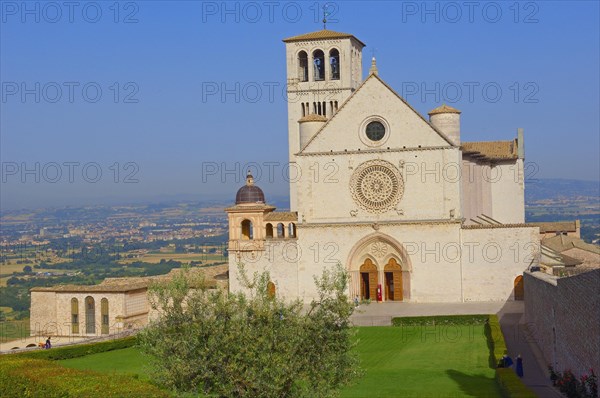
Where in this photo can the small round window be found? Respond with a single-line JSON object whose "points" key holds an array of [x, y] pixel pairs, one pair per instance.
{"points": [[375, 131]]}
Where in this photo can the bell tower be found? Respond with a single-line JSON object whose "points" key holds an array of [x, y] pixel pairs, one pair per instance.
{"points": [[323, 70]]}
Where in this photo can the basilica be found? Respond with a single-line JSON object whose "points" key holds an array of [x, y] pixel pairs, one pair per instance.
{"points": [[408, 209]]}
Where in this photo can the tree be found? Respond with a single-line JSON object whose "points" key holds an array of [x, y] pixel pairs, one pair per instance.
{"points": [[27, 269], [250, 345]]}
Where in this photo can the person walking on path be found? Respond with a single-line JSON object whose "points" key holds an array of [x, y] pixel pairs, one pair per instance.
{"points": [[48, 344], [519, 366]]}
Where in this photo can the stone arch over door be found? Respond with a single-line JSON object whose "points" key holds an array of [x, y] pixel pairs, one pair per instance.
{"points": [[381, 250]]}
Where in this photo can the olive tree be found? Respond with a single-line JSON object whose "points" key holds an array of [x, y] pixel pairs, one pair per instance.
{"points": [[250, 344]]}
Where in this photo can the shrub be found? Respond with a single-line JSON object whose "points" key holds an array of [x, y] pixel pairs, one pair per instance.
{"points": [[511, 386], [440, 320], [251, 345], [567, 383], [495, 339]]}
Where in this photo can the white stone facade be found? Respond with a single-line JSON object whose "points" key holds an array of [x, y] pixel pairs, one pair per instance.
{"points": [[113, 306], [410, 212], [52, 312]]}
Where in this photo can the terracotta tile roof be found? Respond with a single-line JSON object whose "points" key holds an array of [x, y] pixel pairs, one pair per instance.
{"points": [[560, 243], [443, 109], [127, 284], [313, 117], [558, 226], [134, 284], [570, 261], [553, 258], [491, 150], [282, 216], [246, 207], [320, 35]]}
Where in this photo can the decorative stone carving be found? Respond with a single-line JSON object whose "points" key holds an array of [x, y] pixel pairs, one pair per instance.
{"points": [[379, 249], [376, 186], [353, 213]]}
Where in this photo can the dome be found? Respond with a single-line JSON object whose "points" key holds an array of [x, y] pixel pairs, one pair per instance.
{"points": [[249, 193]]}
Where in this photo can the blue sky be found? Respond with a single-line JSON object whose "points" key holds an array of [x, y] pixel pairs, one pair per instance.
{"points": [[152, 128]]}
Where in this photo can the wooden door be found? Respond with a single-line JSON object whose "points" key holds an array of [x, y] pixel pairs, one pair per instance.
{"points": [[519, 288], [369, 280], [393, 279]]}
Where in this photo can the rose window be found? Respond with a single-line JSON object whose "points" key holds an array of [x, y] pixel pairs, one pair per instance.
{"points": [[376, 186]]}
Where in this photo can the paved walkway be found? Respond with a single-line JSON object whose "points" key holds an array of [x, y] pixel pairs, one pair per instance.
{"points": [[20, 345], [25, 341], [510, 314], [519, 341], [381, 314]]}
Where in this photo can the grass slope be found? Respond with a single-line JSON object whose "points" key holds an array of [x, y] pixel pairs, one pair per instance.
{"points": [[128, 360], [423, 361], [408, 361]]}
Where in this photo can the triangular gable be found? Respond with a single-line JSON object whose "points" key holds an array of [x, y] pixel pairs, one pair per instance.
{"points": [[384, 102]]}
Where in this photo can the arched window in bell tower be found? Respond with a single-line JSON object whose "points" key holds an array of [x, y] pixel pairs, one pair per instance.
{"points": [[318, 65], [247, 230], [280, 230], [334, 63], [303, 66]]}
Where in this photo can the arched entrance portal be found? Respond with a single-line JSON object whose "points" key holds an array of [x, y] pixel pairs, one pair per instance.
{"points": [[519, 288], [393, 281], [368, 280], [379, 259]]}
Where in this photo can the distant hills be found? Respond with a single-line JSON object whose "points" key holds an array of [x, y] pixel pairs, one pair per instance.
{"points": [[551, 188], [563, 200]]}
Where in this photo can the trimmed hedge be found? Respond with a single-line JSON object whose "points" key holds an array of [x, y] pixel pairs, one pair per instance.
{"points": [[511, 386], [440, 320], [495, 339], [78, 350], [26, 377]]}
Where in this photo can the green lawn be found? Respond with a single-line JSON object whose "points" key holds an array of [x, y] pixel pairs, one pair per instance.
{"points": [[410, 361], [415, 361], [128, 360]]}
